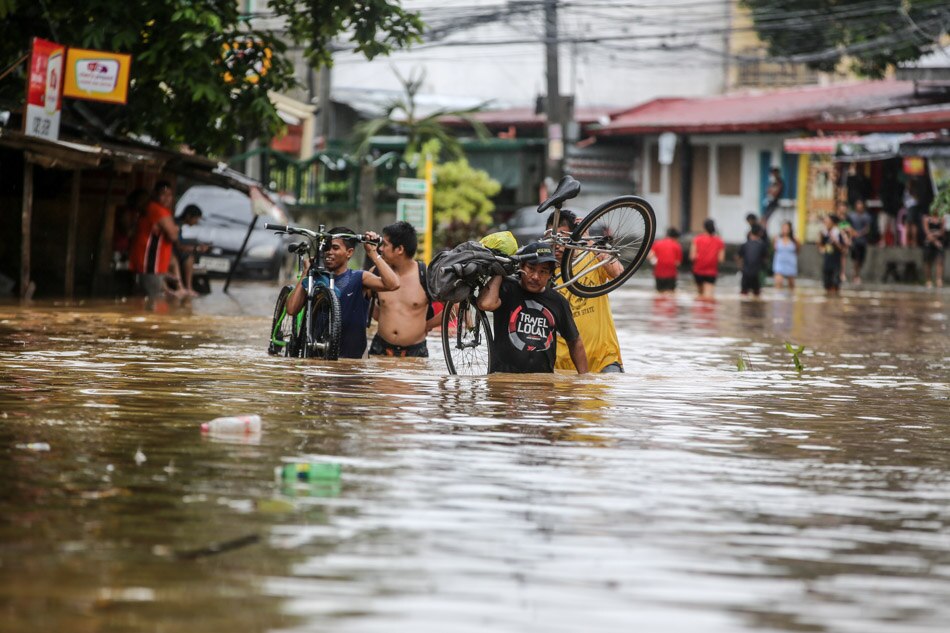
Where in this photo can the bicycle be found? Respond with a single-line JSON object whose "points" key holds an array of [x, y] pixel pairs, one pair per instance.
{"points": [[619, 230], [314, 332]]}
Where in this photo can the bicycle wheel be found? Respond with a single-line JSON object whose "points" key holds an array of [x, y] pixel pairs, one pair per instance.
{"points": [[323, 340], [466, 339], [283, 341], [624, 228]]}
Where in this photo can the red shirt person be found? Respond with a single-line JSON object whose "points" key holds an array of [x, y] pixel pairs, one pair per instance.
{"points": [[666, 256], [152, 246], [706, 252]]}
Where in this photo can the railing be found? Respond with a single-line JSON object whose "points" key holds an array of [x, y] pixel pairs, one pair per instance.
{"points": [[328, 180]]}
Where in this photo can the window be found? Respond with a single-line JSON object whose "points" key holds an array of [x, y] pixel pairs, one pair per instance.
{"points": [[729, 166], [655, 168]]}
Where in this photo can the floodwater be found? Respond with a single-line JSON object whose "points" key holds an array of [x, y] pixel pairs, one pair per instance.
{"points": [[683, 496]]}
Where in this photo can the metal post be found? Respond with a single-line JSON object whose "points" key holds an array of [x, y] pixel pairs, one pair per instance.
{"points": [[71, 235], [26, 220], [324, 115], [555, 122], [686, 185], [237, 260]]}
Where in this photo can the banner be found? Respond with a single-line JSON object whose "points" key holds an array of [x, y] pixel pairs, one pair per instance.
{"points": [[97, 75], [44, 99]]}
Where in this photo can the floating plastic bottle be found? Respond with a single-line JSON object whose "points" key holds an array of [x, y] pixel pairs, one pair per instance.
{"points": [[34, 446], [233, 425], [308, 472]]}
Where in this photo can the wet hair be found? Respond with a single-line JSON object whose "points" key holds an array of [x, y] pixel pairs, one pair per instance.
{"points": [[566, 216], [672, 232], [709, 226], [349, 242], [191, 211], [402, 234]]}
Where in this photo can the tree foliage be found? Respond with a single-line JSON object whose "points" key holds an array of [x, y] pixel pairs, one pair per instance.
{"points": [[373, 27], [403, 116], [871, 35], [200, 70]]}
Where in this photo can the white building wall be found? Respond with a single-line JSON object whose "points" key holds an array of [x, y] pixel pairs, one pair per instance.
{"points": [[728, 211]]}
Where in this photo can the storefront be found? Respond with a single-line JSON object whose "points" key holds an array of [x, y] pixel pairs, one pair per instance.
{"points": [[847, 168]]}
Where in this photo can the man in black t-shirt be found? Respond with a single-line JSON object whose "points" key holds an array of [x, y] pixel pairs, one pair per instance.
{"points": [[527, 314]]}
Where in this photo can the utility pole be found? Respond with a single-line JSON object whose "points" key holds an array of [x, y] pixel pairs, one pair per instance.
{"points": [[554, 107], [323, 100]]}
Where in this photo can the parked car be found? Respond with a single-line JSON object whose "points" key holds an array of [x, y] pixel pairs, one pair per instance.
{"points": [[226, 216], [526, 224]]}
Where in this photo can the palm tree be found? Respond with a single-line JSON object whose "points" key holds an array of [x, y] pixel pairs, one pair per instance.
{"points": [[401, 115]]}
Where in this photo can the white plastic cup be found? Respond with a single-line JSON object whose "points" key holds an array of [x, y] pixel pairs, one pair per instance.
{"points": [[233, 425]]}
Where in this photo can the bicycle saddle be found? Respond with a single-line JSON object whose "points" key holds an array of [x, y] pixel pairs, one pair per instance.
{"points": [[566, 189]]}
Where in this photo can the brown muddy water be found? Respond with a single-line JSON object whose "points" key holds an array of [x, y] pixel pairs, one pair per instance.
{"points": [[683, 496]]}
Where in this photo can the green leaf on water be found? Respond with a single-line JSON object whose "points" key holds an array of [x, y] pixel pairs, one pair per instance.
{"points": [[741, 363], [795, 352]]}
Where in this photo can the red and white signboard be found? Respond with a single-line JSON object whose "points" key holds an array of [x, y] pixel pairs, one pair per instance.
{"points": [[44, 98]]}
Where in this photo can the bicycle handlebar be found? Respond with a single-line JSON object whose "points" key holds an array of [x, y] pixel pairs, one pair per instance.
{"points": [[293, 230]]}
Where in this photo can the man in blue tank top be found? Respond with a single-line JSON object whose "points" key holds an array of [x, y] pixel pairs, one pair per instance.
{"points": [[350, 287]]}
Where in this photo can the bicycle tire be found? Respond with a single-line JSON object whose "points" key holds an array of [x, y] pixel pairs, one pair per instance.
{"points": [[467, 351], [627, 223], [323, 339], [283, 339]]}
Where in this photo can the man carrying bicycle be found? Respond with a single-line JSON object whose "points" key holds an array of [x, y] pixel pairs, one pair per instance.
{"points": [[350, 286], [593, 316], [527, 314]]}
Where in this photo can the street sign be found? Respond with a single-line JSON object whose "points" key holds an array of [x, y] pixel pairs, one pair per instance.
{"points": [[412, 211], [97, 75], [43, 90], [412, 186]]}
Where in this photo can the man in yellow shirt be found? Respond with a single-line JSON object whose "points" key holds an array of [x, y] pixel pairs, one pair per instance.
{"points": [[592, 316]]}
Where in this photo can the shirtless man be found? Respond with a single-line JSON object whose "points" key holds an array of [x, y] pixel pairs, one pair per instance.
{"points": [[402, 313]]}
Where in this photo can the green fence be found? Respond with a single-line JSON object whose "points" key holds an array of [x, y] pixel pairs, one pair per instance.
{"points": [[327, 181]]}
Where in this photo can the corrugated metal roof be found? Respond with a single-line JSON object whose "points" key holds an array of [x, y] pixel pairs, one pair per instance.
{"points": [[773, 111], [903, 120]]}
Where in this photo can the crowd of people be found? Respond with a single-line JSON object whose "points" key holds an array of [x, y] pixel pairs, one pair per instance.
{"points": [[845, 236], [537, 328]]}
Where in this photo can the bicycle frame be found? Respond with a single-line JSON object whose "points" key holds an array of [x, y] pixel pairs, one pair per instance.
{"points": [[556, 239]]}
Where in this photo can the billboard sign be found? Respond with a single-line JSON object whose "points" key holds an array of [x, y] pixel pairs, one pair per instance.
{"points": [[44, 98], [97, 75]]}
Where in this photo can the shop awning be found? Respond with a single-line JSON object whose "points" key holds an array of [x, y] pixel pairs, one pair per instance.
{"points": [[853, 148]]}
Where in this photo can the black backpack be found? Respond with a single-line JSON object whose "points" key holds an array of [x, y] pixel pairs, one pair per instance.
{"points": [[452, 274]]}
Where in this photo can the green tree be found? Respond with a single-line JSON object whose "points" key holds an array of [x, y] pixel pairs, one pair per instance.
{"points": [[402, 116], [200, 71], [461, 199], [871, 35]]}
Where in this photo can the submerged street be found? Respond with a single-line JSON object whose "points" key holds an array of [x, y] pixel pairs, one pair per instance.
{"points": [[712, 487]]}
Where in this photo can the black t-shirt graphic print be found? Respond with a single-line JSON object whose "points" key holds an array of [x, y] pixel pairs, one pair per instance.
{"points": [[525, 327]]}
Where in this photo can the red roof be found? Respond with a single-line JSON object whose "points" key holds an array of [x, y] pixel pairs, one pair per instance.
{"points": [[773, 111], [925, 119]]}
